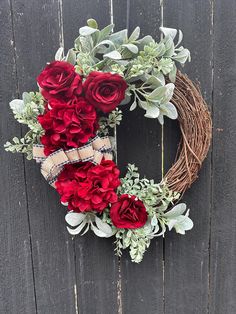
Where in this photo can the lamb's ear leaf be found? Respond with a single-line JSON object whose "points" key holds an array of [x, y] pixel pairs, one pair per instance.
{"points": [[120, 37], [155, 81], [59, 54], [115, 55], [172, 32], [176, 211], [180, 37], [74, 219], [86, 30], [103, 226], [172, 74], [184, 223], [92, 23], [71, 56], [152, 112], [17, 106], [98, 232], [182, 56], [105, 32], [133, 106], [171, 223], [131, 47], [169, 110], [78, 229], [135, 34], [144, 41]]}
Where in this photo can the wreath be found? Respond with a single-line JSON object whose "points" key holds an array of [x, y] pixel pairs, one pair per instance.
{"points": [[72, 121]]}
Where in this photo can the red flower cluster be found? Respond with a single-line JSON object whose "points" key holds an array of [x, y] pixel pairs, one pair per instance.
{"points": [[129, 212], [69, 120], [70, 117], [67, 126], [87, 187]]}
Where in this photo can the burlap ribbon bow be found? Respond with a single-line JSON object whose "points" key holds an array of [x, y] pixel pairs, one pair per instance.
{"points": [[94, 151]]}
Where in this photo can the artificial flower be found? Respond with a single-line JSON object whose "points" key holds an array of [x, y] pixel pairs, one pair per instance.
{"points": [[59, 80], [104, 91], [128, 212], [67, 126], [86, 187]]}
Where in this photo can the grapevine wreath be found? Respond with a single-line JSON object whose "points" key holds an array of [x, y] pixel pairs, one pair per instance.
{"points": [[72, 122]]}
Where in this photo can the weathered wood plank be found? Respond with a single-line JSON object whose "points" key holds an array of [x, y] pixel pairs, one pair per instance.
{"points": [[76, 13], [223, 226], [186, 257], [96, 265], [139, 142], [17, 284], [37, 33]]}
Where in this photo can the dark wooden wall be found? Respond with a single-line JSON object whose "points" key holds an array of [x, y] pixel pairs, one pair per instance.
{"points": [[42, 270]]}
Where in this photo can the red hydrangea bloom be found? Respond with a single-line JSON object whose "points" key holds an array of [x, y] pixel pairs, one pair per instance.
{"points": [[104, 91], [67, 126], [59, 80], [87, 187], [128, 212]]}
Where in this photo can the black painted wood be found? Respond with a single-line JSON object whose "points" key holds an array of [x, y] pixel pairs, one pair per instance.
{"points": [[37, 36], [139, 142], [96, 265], [223, 226], [42, 270], [187, 257], [16, 273]]}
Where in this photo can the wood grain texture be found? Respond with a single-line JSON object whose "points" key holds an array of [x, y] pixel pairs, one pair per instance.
{"points": [[223, 226], [42, 270], [139, 142], [187, 257], [16, 273], [76, 13], [96, 265], [37, 33]]}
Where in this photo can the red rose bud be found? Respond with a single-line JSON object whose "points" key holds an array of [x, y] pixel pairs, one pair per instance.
{"points": [[129, 212], [104, 91], [67, 126], [59, 80], [87, 187]]}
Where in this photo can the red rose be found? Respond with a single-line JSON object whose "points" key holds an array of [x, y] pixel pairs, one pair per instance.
{"points": [[67, 126], [87, 187], [104, 91], [129, 212], [59, 80]]}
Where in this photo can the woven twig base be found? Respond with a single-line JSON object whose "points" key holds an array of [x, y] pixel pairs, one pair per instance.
{"points": [[196, 131]]}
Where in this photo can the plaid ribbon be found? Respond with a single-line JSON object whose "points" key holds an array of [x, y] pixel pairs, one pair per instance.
{"points": [[94, 151]]}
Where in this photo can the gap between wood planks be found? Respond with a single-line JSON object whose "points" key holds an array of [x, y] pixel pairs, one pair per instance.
{"points": [[119, 287], [13, 41], [212, 2], [62, 44]]}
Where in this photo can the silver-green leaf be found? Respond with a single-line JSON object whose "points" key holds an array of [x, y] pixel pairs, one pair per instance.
{"points": [[115, 55]]}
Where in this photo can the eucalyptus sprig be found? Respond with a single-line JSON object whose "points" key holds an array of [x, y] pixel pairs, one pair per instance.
{"points": [[110, 122], [26, 111]]}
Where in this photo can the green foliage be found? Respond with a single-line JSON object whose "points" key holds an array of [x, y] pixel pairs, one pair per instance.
{"points": [[145, 65], [110, 122], [143, 62], [157, 198], [80, 223], [136, 240], [26, 111], [152, 194]]}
